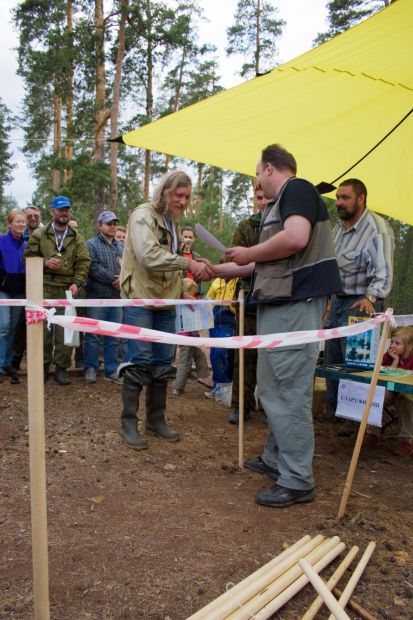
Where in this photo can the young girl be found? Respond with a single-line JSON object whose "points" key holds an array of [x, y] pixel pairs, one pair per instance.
{"points": [[222, 360], [399, 355], [189, 354]]}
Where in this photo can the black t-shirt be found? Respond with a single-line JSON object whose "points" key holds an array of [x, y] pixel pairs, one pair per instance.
{"points": [[301, 198]]}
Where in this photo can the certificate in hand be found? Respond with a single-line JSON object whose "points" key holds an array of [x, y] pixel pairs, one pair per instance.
{"points": [[206, 237]]}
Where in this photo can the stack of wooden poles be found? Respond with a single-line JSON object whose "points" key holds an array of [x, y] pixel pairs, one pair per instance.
{"points": [[266, 590]]}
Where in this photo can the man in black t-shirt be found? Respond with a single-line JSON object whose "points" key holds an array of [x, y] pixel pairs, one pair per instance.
{"points": [[294, 270]]}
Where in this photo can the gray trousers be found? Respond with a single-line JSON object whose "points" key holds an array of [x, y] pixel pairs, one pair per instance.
{"points": [[184, 365], [285, 377]]}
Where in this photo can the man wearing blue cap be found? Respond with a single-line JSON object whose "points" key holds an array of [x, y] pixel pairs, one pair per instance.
{"points": [[66, 266], [103, 283]]}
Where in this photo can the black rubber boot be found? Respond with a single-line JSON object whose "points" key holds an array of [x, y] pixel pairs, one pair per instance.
{"points": [[155, 411], [129, 430]]}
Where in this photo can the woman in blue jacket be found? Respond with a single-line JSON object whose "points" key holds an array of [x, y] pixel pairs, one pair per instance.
{"points": [[12, 286]]}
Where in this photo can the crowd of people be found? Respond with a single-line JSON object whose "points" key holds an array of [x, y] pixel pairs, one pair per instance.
{"points": [[296, 273]]}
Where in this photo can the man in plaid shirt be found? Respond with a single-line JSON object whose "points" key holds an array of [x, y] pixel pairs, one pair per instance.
{"points": [[364, 244], [103, 283]]}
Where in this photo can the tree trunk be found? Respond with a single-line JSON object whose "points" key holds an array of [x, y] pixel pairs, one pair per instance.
{"points": [[149, 101], [115, 106], [69, 94], [257, 39], [57, 134], [102, 114], [198, 198], [177, 95]]}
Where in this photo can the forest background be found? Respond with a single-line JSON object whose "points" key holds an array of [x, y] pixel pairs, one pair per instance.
{"points": [[93, 70]]}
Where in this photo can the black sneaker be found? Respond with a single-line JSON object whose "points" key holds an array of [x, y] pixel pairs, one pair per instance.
{"points": [[61, 376], [234, 416], [259, 467], [281, 497]]}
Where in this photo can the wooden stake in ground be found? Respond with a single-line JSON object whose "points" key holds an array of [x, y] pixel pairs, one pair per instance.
{"points": [[323, 591], [241, 308], [363, 423], [35, 388]]}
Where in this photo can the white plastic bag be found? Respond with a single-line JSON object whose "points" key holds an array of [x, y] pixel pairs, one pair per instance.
{"points": [[71, 338], [223, 394]]}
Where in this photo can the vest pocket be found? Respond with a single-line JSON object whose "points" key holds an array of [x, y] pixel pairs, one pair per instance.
{"points": [[273, 281]]}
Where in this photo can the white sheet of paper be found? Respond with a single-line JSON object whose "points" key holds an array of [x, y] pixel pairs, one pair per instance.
{"points": [[206, 237], [188, 320], [352, 397]]}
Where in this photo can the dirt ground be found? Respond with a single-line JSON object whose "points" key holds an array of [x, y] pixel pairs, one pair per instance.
{"points": [[157, 534]]}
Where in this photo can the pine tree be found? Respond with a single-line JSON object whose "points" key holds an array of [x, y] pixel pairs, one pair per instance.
{"points": [[343, 14], [6, 166], [254, 35]]}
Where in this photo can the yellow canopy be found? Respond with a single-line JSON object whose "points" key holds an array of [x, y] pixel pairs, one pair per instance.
{"points": [[329, 107]]}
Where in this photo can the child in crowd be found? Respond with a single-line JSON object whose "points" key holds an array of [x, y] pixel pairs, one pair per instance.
{"points": [[188, 354], [222, 360], [399, 355]]}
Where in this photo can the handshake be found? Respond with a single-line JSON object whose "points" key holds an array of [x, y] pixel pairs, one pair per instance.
{"points": [[235, 262], [201, 269]]}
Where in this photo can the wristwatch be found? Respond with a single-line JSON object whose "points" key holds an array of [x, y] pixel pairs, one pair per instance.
{"points": [[371, 298]]}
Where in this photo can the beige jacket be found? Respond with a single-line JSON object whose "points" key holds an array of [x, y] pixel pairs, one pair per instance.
{"points": [[149, 269]]}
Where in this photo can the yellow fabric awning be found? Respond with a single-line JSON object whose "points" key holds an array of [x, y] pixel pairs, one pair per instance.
{"points": [[329, 107]]}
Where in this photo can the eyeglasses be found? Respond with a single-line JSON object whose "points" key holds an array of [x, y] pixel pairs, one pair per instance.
{"points": [[110, 223]]}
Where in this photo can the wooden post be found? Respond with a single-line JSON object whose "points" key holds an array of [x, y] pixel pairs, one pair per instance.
{"points": [[35, 389], [241, 307], [363, 423]]}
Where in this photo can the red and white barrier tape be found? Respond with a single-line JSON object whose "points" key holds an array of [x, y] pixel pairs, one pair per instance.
{"points": [[119, 330], [113, 303]]}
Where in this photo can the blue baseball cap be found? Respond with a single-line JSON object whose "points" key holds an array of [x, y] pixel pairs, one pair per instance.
{"points": [[61, 202], [107, 216]]}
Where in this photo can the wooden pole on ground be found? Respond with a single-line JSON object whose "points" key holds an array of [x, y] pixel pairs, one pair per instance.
{"points": [[269, 610], [35, 389], [316, 605], [355, 577], [205, 612], [241, 307], [352, 604], [233, 599], [363, 423], [251, 608], [323, 591]]}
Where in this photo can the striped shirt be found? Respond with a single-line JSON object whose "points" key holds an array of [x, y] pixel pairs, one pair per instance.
{"points": [[365, 256], [105, 265]]}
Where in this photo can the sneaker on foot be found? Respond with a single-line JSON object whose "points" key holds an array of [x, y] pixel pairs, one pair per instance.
{"points": [[90, 375], [259, 467], [281, 497], [114, 378], [234, 416], [61, 376], [210, 394]]}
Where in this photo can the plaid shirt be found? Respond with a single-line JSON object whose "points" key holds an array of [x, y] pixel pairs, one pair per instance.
{"points": [[105, 264], [365, 256]]}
